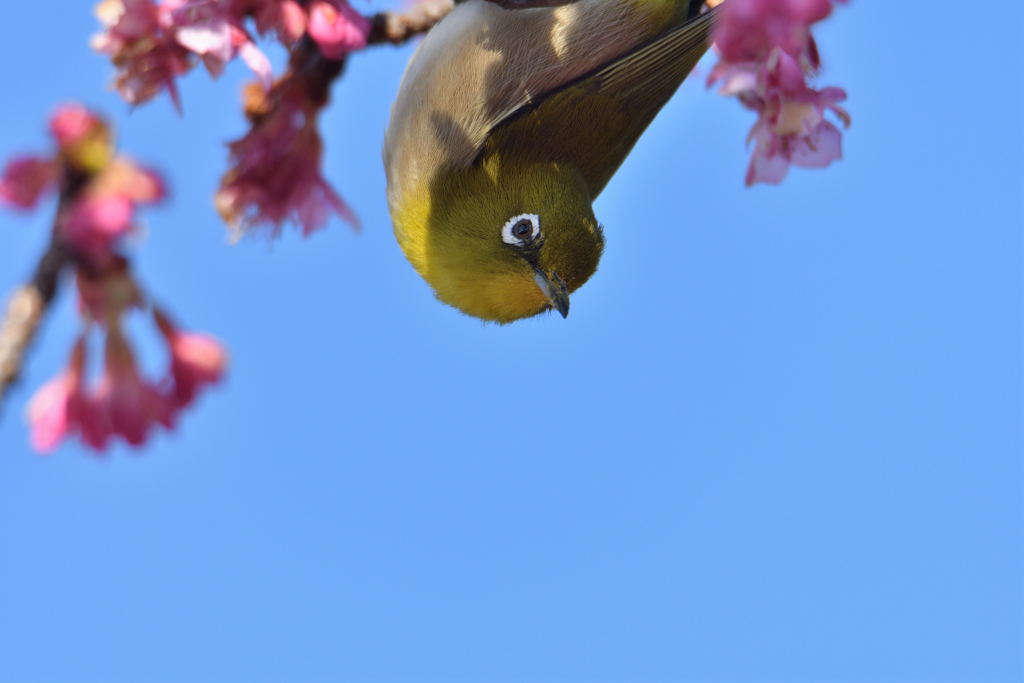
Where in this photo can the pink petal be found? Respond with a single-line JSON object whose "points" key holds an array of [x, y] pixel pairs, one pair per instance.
{"points": [[212, 37], [258, 62], [92, 222], [832, 94], [50, 412], [93, 424], [144, 186], [340, 207], [106, 295], [214, 65], [168, 9], [810, 11], [196, 361], [26, 179], [284, 17], [787, 74], [293, 21], [821, 148], [337, 28], [766, 169], [795, 118], [133, 405], [126, 178], [137, 20], [47, 414], [71, 123], [275, 174]]}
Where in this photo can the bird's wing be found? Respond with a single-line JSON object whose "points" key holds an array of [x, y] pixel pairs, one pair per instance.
{"points": [[481, 64], [594, 122]]}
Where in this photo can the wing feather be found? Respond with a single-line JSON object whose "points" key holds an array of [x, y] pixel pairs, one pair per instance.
{"points": [[481, 64], [594, 122]]}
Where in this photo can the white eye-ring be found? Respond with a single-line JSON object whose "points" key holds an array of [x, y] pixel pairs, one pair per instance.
{"points": [[521, 229]]}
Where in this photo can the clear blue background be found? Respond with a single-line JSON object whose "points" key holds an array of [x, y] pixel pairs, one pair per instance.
{"points": [[780, 436]]}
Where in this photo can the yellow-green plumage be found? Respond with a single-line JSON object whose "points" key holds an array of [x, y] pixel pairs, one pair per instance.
{"points": [[528, 112]]}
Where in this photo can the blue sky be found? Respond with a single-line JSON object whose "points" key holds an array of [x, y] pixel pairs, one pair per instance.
{"points": [[780, 436]]}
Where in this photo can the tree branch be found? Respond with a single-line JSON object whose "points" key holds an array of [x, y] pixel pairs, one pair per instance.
{"points": [[25, 311], [397, 28], [528, 4], [29, 303], [392, 27]]}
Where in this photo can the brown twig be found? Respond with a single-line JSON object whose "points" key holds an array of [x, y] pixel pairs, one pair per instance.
{"points": [[396, 28], [28, 304], [25, 311], [529, 4]]}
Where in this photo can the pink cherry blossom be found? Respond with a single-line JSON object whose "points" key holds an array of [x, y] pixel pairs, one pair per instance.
{"points": [[791, 126], [258, 62], [146, 72], [26, 179], [154, 43], [92, 223], [337, 28], [50, 412], [133, 405], [138, 183], [72, 123], [747, 30], [147, 57], [214, 31], [767, 54], [105, 296], [107, 187], [774, 153], [124, 404], [101, 194], [286, 18], [126, 21], [276, 172], [210, 37], [197, 360], [61, 409], [105, 210], [94, 426]]}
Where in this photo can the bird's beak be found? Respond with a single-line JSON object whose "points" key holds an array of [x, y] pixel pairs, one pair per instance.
{"points": [[554, 290]]}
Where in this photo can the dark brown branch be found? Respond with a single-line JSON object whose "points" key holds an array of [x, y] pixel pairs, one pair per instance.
{"points": [[28, 304], [394, 27], [397, 28], [25, 311], [528, 4]]}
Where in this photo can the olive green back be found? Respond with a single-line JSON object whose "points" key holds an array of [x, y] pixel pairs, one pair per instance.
{"points": [[594, 122]]}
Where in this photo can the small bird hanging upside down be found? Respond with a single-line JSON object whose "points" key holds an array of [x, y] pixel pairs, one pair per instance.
{"points": [[506, 128]]}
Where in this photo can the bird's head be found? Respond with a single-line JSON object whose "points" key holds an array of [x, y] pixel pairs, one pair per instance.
{"points": [[505, 241]]}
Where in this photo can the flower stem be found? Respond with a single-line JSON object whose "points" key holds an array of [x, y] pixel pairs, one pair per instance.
{"points": [[25, 311]]}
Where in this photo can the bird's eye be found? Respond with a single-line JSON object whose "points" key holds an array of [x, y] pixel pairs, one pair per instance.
{"points": [[521, 230]]}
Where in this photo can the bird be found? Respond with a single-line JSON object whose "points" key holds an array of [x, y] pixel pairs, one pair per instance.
{"points": [[507, 126]]}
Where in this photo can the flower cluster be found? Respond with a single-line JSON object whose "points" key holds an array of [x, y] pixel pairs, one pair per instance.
{"points": [[767, 54], [275, 175], [152, 42], [99, 194], [102, 190], [123, 403]]}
